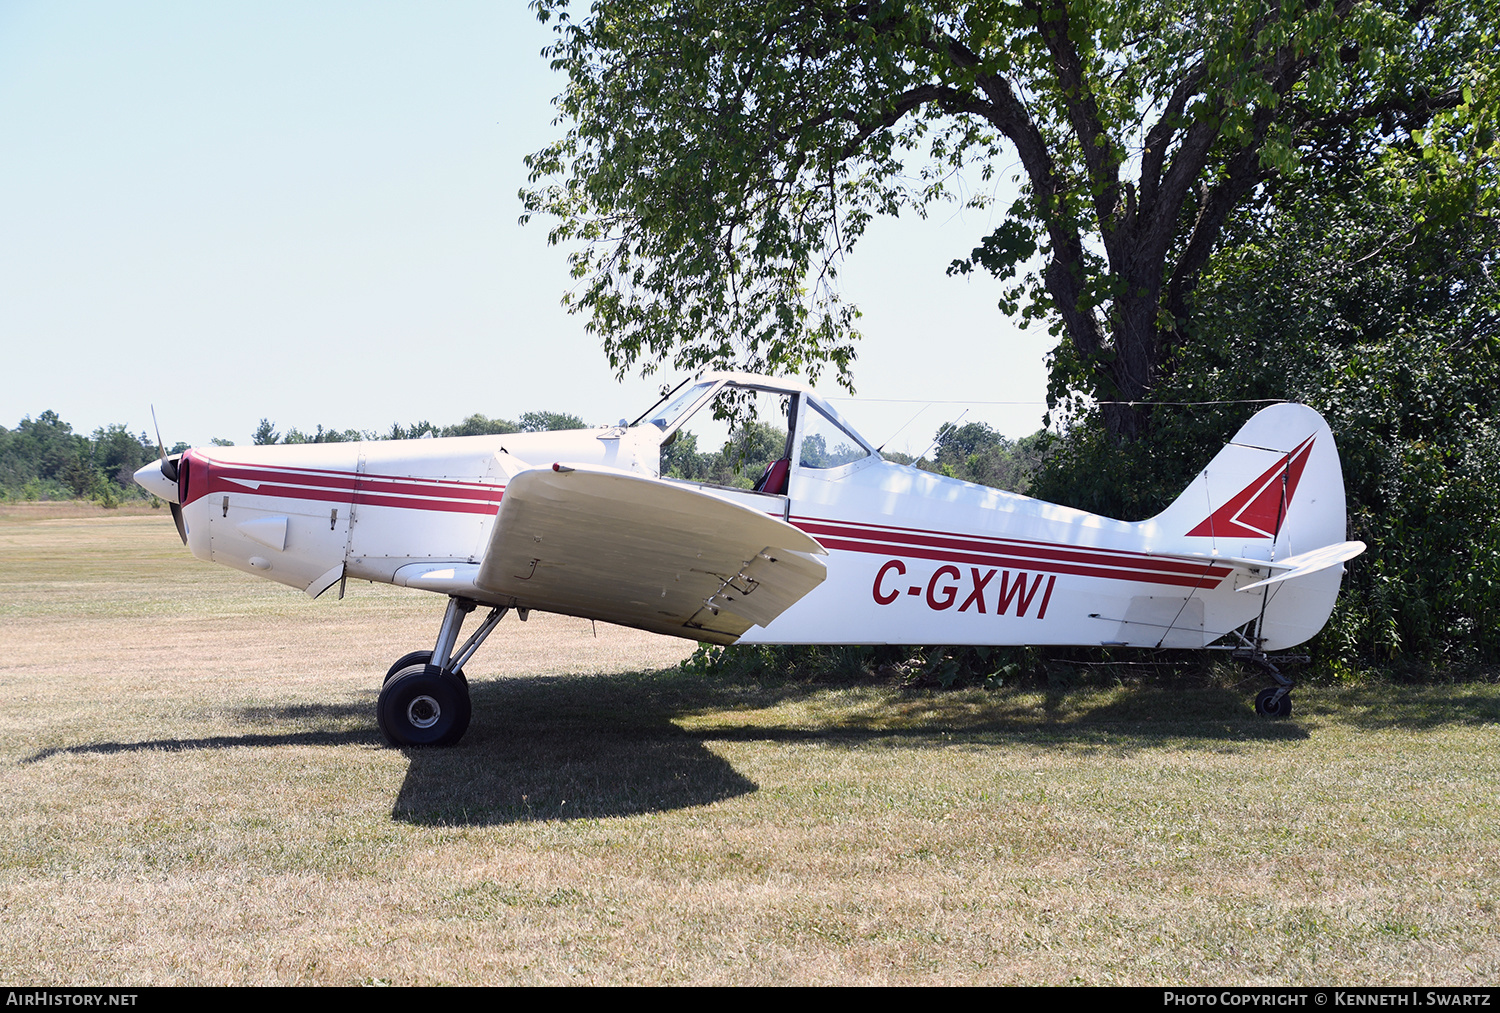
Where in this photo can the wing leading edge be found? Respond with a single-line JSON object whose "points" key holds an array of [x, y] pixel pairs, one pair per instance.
{"points": [[621, 547]]}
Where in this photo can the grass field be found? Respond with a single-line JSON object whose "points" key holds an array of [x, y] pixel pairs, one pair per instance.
{"points": [[192, 790]]}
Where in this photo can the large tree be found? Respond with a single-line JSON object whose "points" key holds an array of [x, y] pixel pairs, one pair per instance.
{"points": [[1373, 296], [721, 158]]}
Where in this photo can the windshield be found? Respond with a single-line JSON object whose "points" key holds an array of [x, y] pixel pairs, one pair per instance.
{"points": [[731, 440]]}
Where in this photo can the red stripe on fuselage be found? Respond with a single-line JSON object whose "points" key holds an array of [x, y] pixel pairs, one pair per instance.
{"points": [[1085, 555], [490, 507], [400, 484], [1084, 561], [1202, 580], [345, 487]]}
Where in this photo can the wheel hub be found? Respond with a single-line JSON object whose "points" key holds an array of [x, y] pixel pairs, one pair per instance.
{"points": [[423, 711]]}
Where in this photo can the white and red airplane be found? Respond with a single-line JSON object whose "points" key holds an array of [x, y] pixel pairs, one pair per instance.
{"points": [[833, 544]]}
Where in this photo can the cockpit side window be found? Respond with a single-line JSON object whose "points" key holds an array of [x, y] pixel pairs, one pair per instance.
{"points": [[823, 443], [735, 441]]}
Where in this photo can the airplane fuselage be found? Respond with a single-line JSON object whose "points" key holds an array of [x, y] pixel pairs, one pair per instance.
{"points": [[832, 545], [913, 557]]}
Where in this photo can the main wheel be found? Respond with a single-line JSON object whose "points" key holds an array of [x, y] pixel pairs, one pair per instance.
{"points": [[419, 707], [1267, 709], [416, 658]]}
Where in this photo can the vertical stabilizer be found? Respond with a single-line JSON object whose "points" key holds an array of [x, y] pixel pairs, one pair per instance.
{"points": [[1275, 490]]}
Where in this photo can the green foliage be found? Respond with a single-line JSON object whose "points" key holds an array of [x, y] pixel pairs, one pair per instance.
{"points": [[776, 663], [321, 435], [542, 422], [474, 425], [976, 453], [941, 667], [266, 434], [415, 431], [479, 425], [36, 451], [721, 159], [45, 459], [1376, 299]]}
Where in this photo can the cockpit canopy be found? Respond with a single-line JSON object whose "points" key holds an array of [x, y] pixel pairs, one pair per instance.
{"points": [[745, 431]]}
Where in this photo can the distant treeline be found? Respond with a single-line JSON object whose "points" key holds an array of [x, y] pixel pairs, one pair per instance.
{"points": [[43, 458], [976, 453], [474, 425]]}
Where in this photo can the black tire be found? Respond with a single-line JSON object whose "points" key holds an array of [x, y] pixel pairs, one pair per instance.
{"points": [[419, 707], [416, 658], [1265, 708]]}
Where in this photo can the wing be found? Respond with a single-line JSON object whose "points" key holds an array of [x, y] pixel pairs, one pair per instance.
{"points": [[638, 551]]}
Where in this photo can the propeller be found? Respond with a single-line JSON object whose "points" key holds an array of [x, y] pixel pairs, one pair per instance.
{"points": [[170, 471]]}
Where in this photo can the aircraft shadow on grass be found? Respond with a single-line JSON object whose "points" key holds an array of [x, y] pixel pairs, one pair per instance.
{"points": [[562, 748]]}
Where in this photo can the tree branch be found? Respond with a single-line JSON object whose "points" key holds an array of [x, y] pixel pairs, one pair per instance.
{"points": [[1100, 156], [1161, 132], [1065, 272], [1245, 174]]}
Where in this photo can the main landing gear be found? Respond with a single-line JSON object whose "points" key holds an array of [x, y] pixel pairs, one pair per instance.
{"points": [[425, 699]]}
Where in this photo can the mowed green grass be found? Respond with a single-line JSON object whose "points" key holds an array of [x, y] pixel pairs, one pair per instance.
{"points": [[192, 790]]}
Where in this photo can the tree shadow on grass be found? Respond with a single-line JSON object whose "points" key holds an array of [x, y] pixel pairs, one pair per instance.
{"points": [[1380, 705], [591, 747], [339, 716]]}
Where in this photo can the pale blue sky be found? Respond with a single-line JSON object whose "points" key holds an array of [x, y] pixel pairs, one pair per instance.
{"points": [[307, 211]]}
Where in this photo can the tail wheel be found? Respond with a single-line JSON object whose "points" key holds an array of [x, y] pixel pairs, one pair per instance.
{"points": [[422, 706], [1268, 705]]}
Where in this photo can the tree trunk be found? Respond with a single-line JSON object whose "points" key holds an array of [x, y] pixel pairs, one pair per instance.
{"points": [[1132, 371]]}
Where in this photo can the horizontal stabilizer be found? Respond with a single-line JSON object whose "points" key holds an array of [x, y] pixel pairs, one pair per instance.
{"points": [[1308, 563], [625, 548]]}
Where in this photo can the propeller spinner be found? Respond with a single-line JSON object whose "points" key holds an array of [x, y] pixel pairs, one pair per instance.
{"points": [[160, 478]]}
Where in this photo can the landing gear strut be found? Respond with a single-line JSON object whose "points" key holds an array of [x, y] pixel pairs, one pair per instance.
{"points": [[425, 699], [1273, 701]]}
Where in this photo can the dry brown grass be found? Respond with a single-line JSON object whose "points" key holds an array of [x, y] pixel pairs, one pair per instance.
{"points": [[47, 509], [192, 791]]}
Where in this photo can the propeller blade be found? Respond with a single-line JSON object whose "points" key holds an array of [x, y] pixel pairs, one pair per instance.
{"points": [[168, 468], [169, 472], [177, 520]]}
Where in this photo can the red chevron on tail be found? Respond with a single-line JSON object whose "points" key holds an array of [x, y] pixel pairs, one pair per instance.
{"points": [[1258, 510]]}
